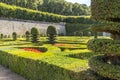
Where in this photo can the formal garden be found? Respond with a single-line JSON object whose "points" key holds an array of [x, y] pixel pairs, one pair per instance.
{"points": [[80, 55], [67, 59]]}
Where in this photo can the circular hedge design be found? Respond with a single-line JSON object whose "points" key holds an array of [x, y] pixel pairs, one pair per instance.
{"points": [[106, 10], [104, 69]]}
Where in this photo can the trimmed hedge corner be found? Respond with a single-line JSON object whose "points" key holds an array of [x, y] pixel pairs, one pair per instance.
{"points": [[106, 46], [99, 45], [107, 70]]}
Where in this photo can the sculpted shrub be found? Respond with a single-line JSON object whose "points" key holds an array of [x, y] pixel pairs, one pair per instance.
{"points": [[14, 35], [34, 35], [51, 33]]}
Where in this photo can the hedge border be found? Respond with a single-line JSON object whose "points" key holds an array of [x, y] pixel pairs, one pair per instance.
{"points": [[23, 67], [9, 11], [43, 68]]}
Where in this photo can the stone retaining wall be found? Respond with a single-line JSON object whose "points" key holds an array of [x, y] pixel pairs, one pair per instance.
{"points": [[8, 26]]}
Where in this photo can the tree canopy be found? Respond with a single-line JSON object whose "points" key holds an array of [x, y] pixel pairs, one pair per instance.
{"points": [[53, 6]]}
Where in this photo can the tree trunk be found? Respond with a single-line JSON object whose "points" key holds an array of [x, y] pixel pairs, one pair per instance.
{"points": [[112, 59], [95, 35], [116, 36]]}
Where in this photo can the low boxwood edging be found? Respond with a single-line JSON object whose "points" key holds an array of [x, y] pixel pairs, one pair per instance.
{"points": [[83, 55], [107, 70], [64, 48]]}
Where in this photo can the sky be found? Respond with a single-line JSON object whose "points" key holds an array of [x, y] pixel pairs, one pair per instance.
{"points": [[80, 1]]}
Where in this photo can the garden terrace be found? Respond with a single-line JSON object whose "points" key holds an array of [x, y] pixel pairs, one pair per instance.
{"points": [[65, 65], [48, 62]]}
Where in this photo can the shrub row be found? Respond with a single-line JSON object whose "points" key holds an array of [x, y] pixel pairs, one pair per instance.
{"points": [[104, 69], [80, 29], [9, 11], [28, 14], [33, 69], [76, 28], [36, 67], [84, 55], [79, 19]]}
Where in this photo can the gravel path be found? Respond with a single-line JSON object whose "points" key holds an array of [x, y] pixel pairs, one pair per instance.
{"points": [[6, 74]]}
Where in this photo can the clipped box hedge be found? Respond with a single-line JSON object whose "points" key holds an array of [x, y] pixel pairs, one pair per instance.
{"points": [[34, 69], [107, 70], [9, 11], [46, 66]]}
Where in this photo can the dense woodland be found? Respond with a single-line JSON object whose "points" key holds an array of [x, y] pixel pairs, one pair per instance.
{"points": [[53, 6]]}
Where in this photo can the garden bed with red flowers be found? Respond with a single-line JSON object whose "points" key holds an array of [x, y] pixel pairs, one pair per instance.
{"points": [[35, 49]]}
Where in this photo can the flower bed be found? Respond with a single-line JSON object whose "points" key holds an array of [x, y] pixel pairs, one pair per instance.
{"points": [[35, 49], [32, 50]]}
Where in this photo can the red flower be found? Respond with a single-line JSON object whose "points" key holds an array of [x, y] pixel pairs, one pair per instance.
{"points": [[65, 45], [32, 50]]}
